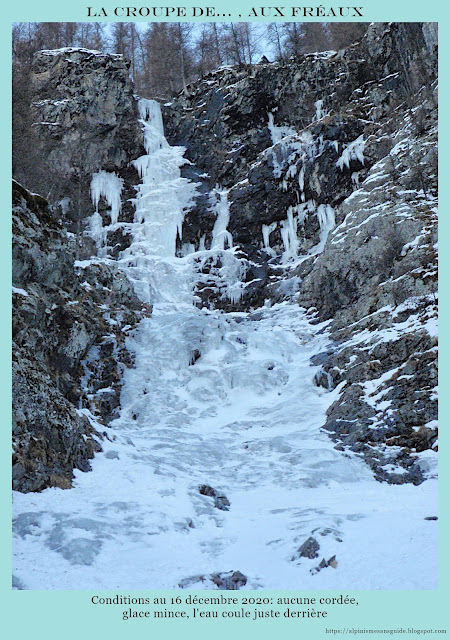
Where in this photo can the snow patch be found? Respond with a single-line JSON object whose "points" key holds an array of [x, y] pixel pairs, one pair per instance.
{"points": [[20, 292]]}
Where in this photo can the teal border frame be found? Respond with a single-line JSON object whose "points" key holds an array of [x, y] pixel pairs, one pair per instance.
{"points": [[70, 614]]}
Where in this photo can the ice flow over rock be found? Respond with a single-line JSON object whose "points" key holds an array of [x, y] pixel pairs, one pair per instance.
{"points": [[225, 400]]}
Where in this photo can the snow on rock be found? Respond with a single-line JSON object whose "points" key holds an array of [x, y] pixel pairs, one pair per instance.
{"points": [[19, 291], [82, 50]]}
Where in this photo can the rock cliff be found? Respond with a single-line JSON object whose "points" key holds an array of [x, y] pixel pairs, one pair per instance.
{"points": [[85, 122]]}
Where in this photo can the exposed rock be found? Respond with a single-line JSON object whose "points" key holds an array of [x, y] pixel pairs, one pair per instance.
{"points": [[16, 584], [195, 356], [220, 500], [190, 581], [86, 121], [69, 329], [331, 562], [225, 123], [229, 581], [377, 279], [309, 549]]}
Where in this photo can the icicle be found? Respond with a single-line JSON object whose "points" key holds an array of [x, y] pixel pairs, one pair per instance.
{"points": [[320, 111], [110, 186], [266, 231], [151, 119], [278, 133], [142, 165], [326, 217], [97, 231], [353, 151], [289, 235], [160, 204], [150, 111], [301, 179], [327, 221]]}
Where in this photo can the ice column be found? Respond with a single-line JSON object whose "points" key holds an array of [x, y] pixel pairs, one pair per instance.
{"points": [[220, 235]]}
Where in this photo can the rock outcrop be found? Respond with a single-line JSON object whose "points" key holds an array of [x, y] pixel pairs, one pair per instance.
{"points": [[85, 121], [377, 279], [70, 323], [317, 105], [69, 330]]}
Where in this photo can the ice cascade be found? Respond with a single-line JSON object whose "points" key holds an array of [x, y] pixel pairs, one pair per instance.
{"points": [[161, 202]]}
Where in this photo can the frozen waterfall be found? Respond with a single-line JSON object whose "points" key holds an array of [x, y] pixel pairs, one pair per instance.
{"points": [[243, 417]]}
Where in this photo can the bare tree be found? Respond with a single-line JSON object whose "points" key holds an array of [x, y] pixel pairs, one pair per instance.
{"points": [[159, 60], [275, 36], [207, 50], [293, 38], [167, 58], [182, 32], [239, 43], [343, 34]]}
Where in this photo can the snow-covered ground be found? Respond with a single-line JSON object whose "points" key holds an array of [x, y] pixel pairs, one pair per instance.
{"points": [[225, 400]]}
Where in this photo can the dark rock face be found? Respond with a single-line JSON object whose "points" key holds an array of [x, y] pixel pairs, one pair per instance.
{"points": [[349, 141], [70, 324], [282, 139], [323, 564], [225, 125], [86, 120], [69, 329]]}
